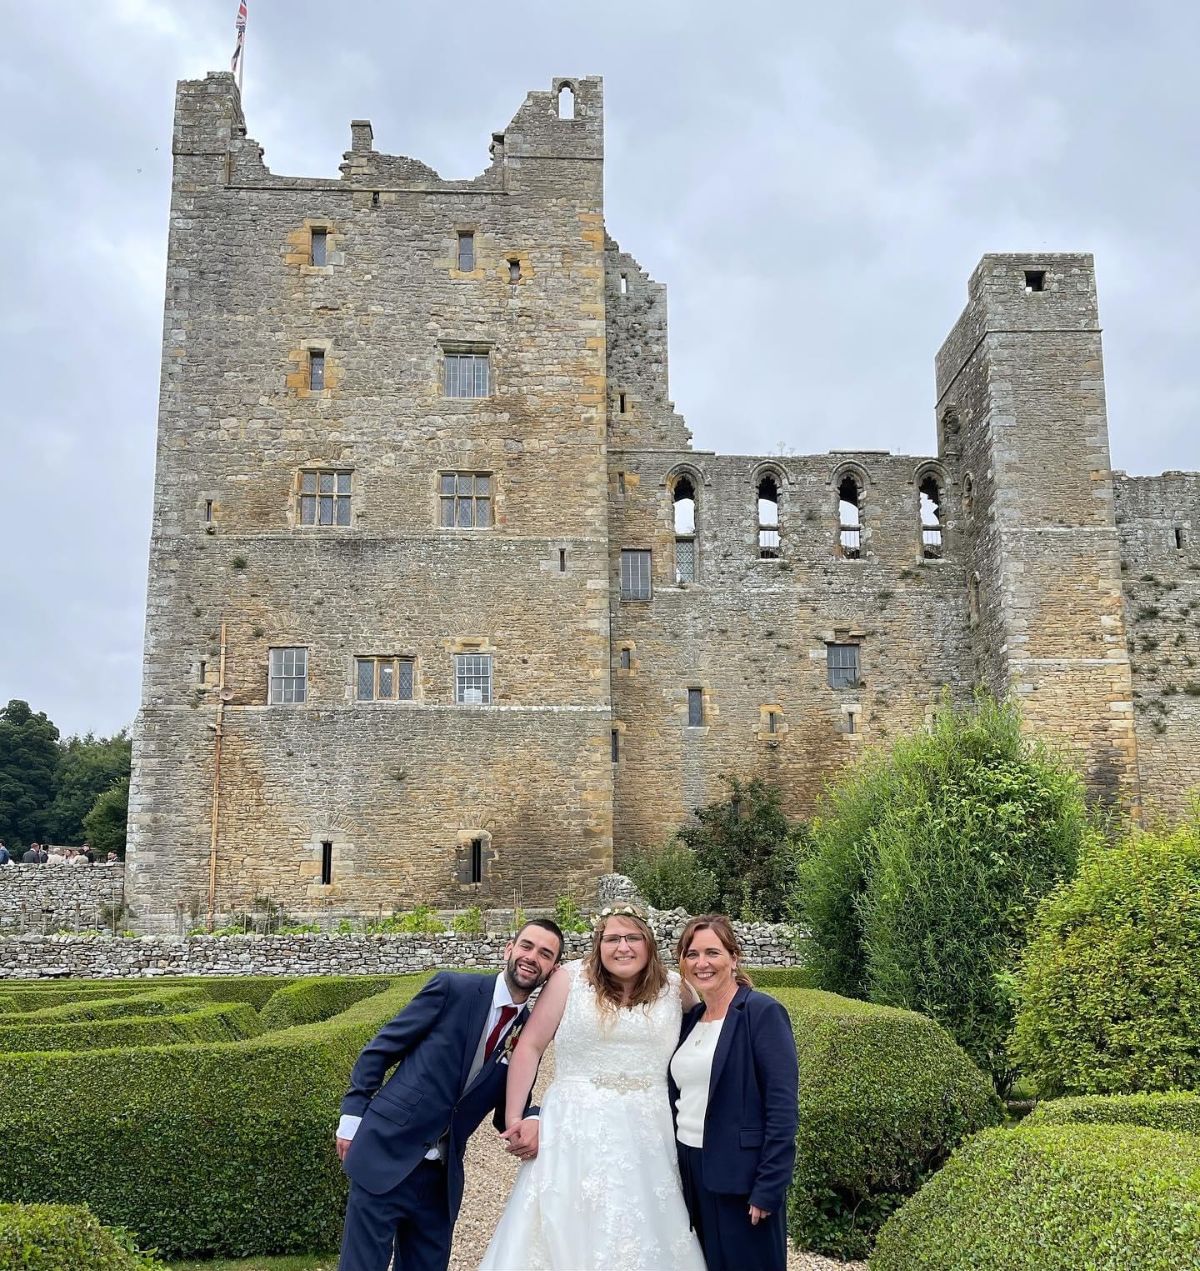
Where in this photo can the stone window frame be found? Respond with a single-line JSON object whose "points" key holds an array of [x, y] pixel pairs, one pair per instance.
{"points": [[698, 480], [697, 695], [768, 735], [380, 663], [466, 853], [489, 497], [782, 481], [476, 349], [280, 675], [326, 230], [477, 270], [319, 470], [862, 478], [627, 659], [299, 381], [932, 470], [616, 742]]}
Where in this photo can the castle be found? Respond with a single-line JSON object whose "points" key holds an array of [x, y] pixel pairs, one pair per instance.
{"points": [[443, 607]]}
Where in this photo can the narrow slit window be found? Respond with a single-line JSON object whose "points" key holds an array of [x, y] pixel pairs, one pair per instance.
{"points": [[466, 252], [624, 284], [318, 244], [695, 707], [772, 722], [684, 500], [849, 519], [621, 484], [326, 864], [621, 403], [626, 659], [851, 722], [203, 672], [931, 519], [514, 270], [316, 369], [208, 511], [768, 519], [562, 560], [1179, 538], [616, 745], [477, 860]]}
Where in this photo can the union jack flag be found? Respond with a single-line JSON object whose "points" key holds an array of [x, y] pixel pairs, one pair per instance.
{"points": [[241, 35]]}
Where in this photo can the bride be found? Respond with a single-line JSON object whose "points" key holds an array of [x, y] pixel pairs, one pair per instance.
{"points": [[603, 1190]]}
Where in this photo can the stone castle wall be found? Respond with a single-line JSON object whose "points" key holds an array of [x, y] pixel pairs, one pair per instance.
{"points": [[586, 749]]}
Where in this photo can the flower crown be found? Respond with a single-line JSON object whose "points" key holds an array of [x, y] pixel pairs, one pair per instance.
{"points": [[618, 911]]}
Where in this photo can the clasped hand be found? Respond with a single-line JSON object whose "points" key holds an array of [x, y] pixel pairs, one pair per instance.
{"points": [[521, 1139]]}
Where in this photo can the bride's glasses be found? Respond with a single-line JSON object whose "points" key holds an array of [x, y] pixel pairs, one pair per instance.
{"points": [[632, 941]]}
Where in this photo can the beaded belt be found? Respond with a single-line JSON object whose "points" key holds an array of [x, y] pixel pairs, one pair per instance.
{"points": [[626, 1082]]}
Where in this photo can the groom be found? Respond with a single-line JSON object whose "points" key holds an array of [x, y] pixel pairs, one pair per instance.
{"points": [[402, 1141]]}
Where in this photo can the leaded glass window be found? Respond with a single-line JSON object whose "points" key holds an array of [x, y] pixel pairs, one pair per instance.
{"points": [[466, 500], [466, 374], [635, 574], [316, 369], [466, 251], [695, 707], [325, 497], [473, 679], [319, 243], [383, 679], [288, 676]]}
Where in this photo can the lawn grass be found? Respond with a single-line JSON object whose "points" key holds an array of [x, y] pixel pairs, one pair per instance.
{"points": [[301, 1262]]}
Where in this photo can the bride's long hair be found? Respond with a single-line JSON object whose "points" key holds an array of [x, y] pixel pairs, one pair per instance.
{"points": [[649, 985]]}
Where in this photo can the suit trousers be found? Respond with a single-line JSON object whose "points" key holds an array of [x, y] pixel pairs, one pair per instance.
{"points": [[413, 1220], [728, 1239]]}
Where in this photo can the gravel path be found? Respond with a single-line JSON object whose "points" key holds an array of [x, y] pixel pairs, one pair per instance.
{"points": [[490, 1172]]}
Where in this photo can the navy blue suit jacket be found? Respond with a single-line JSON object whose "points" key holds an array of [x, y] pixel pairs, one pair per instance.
{"points": [[750, 1126], [432, 1043]]}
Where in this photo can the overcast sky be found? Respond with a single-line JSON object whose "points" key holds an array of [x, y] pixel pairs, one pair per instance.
{"points": [[814, 183]]}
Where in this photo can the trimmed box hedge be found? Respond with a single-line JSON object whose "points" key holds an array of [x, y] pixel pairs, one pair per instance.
{"points": [[65, 1238], [782, 977], [151, 1002], [215, 1022], [1175, 1113], [220, 1150], [8, 1005], [316, 998], [1054, 1198], [885, 1097]]}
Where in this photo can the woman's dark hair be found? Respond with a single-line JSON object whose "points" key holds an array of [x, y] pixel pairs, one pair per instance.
{"points": [[722, 928]]}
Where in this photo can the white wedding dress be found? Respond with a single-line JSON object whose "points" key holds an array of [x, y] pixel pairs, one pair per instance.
{"points": [[603, 1191]]}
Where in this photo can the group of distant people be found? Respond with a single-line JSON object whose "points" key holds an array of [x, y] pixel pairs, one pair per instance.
{"points": [[40, 854]]}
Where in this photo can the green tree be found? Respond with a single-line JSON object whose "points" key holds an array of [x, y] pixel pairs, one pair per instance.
{"points": [[28, 761], [87, 767], [927, 864], [749, 847], [105, 824]]}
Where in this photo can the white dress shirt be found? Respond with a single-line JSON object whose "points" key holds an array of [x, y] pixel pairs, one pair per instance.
{"points": [[348, 1125], [691, 1066]]}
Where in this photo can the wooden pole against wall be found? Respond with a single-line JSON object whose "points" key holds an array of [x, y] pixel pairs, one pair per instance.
{"points": [[216, 792]]}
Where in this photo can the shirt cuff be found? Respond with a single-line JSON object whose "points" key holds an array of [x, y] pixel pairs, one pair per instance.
{"points": [[347, 1127]]}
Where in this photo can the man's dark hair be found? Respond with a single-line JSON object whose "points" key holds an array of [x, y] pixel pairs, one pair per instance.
{"points": [[547, 924]]}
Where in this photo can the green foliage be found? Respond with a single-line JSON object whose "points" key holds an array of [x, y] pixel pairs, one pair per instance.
{"points": [[97, 1006], [669, 877], [205, 1150], [8, 1005], [87, 767], [105, 824], [1054, 1198], [422, 920], [569, 917], [782, 977], [469, 922], [215, 1022], [1176, 1113], [750, 847], [927, 864], [316, 998], [1109, 987], [65, 1238], [885, 1096], [28, 762]]}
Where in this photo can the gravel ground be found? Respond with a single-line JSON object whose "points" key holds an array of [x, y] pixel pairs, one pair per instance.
{"points": [[490, 1172]]}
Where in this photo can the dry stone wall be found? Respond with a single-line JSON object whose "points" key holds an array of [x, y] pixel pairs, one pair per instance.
{"points": [[51, 898]]}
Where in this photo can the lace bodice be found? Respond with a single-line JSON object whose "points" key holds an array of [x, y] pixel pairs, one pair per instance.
{"points": [[621, 1049]]}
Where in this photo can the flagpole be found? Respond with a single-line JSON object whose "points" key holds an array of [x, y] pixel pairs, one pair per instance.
{"points": [[242, 60]]}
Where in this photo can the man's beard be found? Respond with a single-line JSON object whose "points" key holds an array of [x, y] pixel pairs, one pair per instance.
{"points": [[522, 979]]}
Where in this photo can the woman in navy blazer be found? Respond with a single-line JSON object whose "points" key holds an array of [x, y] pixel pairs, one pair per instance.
{"points": [[733, 1082]]}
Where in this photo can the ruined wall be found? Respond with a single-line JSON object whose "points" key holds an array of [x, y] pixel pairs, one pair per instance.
{"points": [[1020, 385], [398, 787], [1158, 520]]}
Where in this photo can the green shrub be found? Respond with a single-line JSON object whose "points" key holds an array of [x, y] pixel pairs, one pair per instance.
{"points": [[148, 1002], [215, 1022], [65, 1238], [782, 977], [1109, 987], [569, 917], [1176, 1113], [316, 998], [885, 1096], [422, 920], [927, 865], [8, 1005], [469, 922], [204, 1150], [669, 877], [1054, 1198]]}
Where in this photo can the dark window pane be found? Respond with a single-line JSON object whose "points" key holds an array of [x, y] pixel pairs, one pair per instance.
{"points": [[316, 370], [366, 679], [695, 708], [405, 684], [616, 745], [318, 247], [626, 659], [387, 679]]}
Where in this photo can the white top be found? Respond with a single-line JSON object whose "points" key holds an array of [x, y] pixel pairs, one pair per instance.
{"points": [[348, 1125], [691, 1066]]}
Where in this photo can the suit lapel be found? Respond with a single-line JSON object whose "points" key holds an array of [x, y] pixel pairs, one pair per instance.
{"points": [[734, 1019], [480, 1005]]}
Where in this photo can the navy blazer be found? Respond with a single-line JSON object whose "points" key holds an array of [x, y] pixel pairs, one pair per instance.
{"points": [[432, 1041], [750, 1125]]}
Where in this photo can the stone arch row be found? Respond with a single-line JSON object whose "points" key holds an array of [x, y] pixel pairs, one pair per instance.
{"points": [[850, 479]]}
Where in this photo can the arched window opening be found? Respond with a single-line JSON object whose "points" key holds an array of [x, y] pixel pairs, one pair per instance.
{"points": [[566, 102], [968, 493], [684, 496], [768, 519], [931, 518], [849, 518]]}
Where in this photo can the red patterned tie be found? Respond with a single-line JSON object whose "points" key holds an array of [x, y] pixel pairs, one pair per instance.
{"points": [[506, 1014]]}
